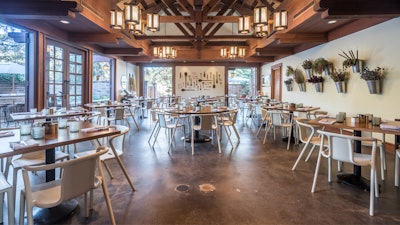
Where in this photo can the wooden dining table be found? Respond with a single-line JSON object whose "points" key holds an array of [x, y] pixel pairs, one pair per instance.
{"points": [[356, 179], [127, 105], [23, 116], [49, 143]]}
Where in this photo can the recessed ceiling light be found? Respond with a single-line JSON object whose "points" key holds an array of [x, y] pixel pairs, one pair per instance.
{"points": [[64, 21], [332, 21]]}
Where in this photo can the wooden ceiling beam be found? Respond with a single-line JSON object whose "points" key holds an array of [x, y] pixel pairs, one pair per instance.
{"points": [[268, 51], [259, 59], [122, 51], [180, 27], [209, 7], [186, 6], [137, 59], [24, 9], [354, 9], [204, 19], [180, 37], [299, 38], [220, 13], [170, 5], [94, 38]]}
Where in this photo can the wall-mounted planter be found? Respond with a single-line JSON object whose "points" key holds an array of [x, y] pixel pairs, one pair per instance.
{"points": [[374, 86], [308, 73], [341, 86], [319, 87], [302, 87], [358, 66], [289, 87]]}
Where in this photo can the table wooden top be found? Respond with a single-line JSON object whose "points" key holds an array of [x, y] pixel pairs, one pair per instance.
{"points": [[104, 105], [64, 137], [194, 112], [34, 116], [300, 109], [347, 124]]}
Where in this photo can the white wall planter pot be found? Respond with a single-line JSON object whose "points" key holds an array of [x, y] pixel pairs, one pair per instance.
{"points": [[374, 86], [302, 87], [341, 86]]}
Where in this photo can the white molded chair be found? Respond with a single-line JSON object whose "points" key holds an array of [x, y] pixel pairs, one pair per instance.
{"points": [[306, 136], [5, 187], [280, 119], [396, 168], [165, 122], [78, 178], [119, 115], [206, 122], [228, 122], [30, 159], [265, 120], [341, 148]]}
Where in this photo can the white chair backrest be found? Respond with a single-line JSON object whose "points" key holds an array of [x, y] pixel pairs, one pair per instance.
{"points": [[277, 117], [119, 113], [206, 122], [341, 147], [162, 121], [306, 131], [117, 141], [78, 175]]}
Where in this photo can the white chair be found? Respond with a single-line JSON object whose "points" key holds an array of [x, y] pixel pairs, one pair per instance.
{"points": [[5, 187], [170, 125], [307, 136], [206, 122], [228, 122], [265, 120], [78, 178], [280, 119], [30, 159], [341, 148], [119, 115], [396, 168], [130, 111]]}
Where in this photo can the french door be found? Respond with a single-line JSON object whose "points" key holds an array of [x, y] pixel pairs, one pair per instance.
{"points": [[64, 75]]}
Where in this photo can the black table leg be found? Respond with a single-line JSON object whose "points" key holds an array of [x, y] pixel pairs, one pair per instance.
{"points": [[60, 212], [355, 179]]}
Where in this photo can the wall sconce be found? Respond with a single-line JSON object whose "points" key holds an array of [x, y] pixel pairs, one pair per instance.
{"points": [[244, 25], [132, 13], [153, 22], [261, 31], [260, 16], [116, 19], [280, 20]]}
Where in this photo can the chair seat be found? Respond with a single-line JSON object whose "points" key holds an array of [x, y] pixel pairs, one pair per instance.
{"points": [[46, 194], [362, 159], [106, 156], [4, 185], [37, 159]]}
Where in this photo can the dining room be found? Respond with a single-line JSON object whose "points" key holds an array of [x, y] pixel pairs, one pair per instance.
{"points": [[331, 64]]}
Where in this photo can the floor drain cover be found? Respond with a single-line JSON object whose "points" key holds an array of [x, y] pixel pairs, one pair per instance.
{"points": [[207, 187], [182, 188]]}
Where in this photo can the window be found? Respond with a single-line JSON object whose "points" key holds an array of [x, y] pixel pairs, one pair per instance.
{"points": [[64, 75], [157, 81], [242, 82], [101, 78]]}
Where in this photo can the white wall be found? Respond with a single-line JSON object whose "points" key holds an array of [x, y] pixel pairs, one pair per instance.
{"points": [[378, 46]]}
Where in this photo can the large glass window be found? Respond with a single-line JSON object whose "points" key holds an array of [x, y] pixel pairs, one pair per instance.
{"points": [[14, 45], [242, 82], [157, 81], [101, 78], [64, 75]]}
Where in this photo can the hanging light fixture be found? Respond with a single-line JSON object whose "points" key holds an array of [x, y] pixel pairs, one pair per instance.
{"points": [[131, 28], [157, 51], [244, 25], [132, 13], [153, 22], [139, 28], [233, 52], [116, 19], [224, 52], [280, 20], [241, 52], [261, 31], [260, 16]]}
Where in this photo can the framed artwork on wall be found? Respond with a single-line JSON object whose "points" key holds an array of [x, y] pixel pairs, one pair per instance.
{"points": [[266, 80]]}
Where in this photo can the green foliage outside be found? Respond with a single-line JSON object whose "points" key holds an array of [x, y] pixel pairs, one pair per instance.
{"points": [[161, 76]]}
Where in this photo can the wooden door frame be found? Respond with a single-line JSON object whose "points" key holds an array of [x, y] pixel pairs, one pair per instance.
{"points": [[274, 68]]}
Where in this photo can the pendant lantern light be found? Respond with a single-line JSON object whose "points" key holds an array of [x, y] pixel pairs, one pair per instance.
{"points": [[244, 25], [260, 16], [153, 22], [132, 13], [116, 19], [280, 20]]}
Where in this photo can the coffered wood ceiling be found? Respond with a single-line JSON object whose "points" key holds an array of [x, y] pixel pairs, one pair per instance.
{"points": [[199, 28]]}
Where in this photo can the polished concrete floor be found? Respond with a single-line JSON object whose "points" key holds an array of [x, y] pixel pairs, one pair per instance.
{"points": [[250, 184]]}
